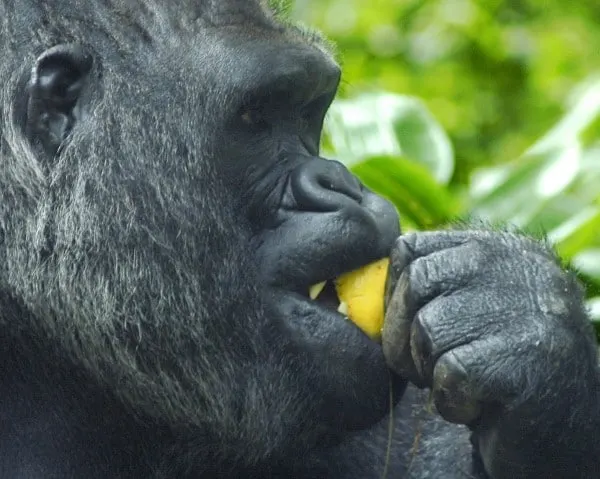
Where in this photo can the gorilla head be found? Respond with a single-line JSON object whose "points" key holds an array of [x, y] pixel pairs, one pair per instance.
{"points": [[164, 210]]}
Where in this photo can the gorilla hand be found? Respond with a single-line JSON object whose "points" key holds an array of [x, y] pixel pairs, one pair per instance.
{"points": [[492, 324]]}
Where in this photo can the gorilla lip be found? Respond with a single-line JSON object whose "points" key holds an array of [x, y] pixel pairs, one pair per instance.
{"points": [[325, 294], [358, 295]]}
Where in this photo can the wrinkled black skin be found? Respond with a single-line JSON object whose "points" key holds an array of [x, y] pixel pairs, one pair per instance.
{"points": [[163, 211]]}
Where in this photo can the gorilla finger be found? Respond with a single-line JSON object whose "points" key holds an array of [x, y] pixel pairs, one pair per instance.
{"points": [[396, 335], [455, 319], [424, 243], [421, 348], [445, 272], [400, 257], [437, 263], [436, 329], [454, 393], [448, 322], [400, 341], [411, 246]]}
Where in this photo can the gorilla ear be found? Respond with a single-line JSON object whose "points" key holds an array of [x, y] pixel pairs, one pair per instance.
{"points": [[57, 81]]}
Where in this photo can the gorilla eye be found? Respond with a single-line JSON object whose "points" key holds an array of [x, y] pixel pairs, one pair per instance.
{"points": [[253, 118]]}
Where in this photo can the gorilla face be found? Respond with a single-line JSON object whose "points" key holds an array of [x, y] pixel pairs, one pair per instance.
{"points": [[311, 219], [165, 211]]}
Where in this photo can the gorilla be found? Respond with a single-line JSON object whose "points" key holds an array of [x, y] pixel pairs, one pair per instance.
{"points": [[163, 213]]}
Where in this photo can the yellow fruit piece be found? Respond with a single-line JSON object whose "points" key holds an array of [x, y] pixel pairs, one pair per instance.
{"points": [[362, 291]]}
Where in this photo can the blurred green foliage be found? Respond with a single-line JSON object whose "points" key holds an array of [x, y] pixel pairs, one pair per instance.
{"points": [[474, 108], [494, 73]]}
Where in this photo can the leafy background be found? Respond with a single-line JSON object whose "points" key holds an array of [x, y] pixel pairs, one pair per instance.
{"points": [[474, 108]]}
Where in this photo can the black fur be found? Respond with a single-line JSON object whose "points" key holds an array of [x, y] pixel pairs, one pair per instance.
{"points": [[163, 211]]}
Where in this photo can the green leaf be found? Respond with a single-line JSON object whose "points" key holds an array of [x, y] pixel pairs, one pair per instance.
{"points": [[386, 124], [593, 306], [577, 233], [412, 189], [535, 190], [588, 262], [579, 121], [518, 191]]}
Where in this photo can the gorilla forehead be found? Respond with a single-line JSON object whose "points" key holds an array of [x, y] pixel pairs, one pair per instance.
{"points": [[232, 44], [154, 19], [146, 12], [218, 12]]}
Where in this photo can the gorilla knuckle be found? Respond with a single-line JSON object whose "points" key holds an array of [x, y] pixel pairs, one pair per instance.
{"points": [[452, 391]]}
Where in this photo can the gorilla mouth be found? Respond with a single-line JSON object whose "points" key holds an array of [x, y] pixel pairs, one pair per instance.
{"points": [[357, 295], [325, 294]]}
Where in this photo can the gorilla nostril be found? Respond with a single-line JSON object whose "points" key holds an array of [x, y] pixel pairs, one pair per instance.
{"points": [[325, 185], [342, 183]]}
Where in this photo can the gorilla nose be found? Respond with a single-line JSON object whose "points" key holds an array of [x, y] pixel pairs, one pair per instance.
{"points": [[324, 185]]}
